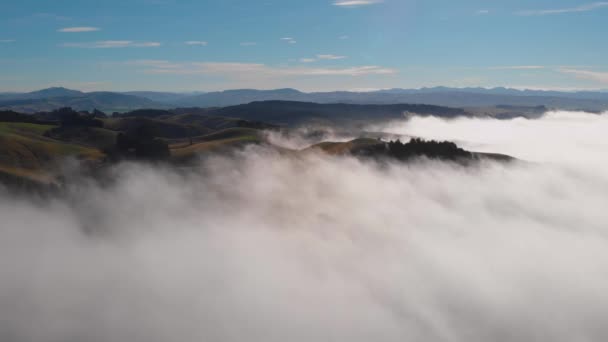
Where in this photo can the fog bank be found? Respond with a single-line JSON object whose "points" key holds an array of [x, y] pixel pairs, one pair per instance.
{"points": [[268, 247], [558, 137]]}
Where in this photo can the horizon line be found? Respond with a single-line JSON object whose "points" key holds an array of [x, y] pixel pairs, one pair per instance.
{"points": [[371, 90]]}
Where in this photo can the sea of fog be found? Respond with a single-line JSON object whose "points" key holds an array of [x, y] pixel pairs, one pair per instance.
{"points": [[263, 246]]}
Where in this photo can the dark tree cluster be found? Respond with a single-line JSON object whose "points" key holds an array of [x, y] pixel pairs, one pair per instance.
{"points": [[71, 118], [99, 114], [141, 143], [430, 149], [147, 113]]}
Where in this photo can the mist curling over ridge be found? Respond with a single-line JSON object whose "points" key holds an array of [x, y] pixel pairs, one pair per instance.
{"points": [[264, 246]]}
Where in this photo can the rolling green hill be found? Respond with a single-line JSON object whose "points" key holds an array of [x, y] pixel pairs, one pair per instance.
{"points": [[217, 141], [25, 152], [32, 150], [349, 147], [94, 137], [162, 128]]}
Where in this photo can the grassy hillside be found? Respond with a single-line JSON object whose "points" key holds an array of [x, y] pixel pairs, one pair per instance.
{"points": [[211, 122], [224, 139], [31, 150], [94, 137], [24, 128], [26, 153], [349, 147], [162, 128]]}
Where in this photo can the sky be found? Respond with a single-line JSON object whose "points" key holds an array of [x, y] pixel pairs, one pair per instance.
{"points": [[313, 45]]}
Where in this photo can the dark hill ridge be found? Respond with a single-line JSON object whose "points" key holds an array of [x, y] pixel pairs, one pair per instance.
{"points": [[290, 113], [242, 96], [53, 92], [293, 113], [159, 96]]}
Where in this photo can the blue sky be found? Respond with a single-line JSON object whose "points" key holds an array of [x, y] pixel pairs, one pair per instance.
{"points": [[313, 45]]}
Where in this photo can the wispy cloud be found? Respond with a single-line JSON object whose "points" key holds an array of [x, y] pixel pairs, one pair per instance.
{"points": [[79, 29], [146, 44], [255, 70], [155, 63], [343, 37], [289, 40], [483, 12], [109, 44], [601, 77], [581, 8], [517, 67], [7, 41], [322, 57], [356, 3], [248, 44], [330, 57], [196, 43]]}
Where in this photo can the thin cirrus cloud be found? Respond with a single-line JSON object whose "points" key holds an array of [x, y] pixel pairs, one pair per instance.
{"points": [[5, 41], [289, 40], [196, 43], [249, 44], [518, 67], [112, 44], [79, 29], [330, 57], [254, 70], [155, 63], [322, 57], [356, 3], [582, 8]]}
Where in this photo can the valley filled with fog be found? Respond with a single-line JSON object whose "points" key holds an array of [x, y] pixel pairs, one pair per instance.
{"points": [[263, 245]]}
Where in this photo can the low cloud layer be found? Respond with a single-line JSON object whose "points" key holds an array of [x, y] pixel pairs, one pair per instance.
{"points": [[267, 246], [597, 76], [565, 138]]}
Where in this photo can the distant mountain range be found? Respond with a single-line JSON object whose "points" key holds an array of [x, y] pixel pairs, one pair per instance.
{"points": [[52, 98], [440, 96]]}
